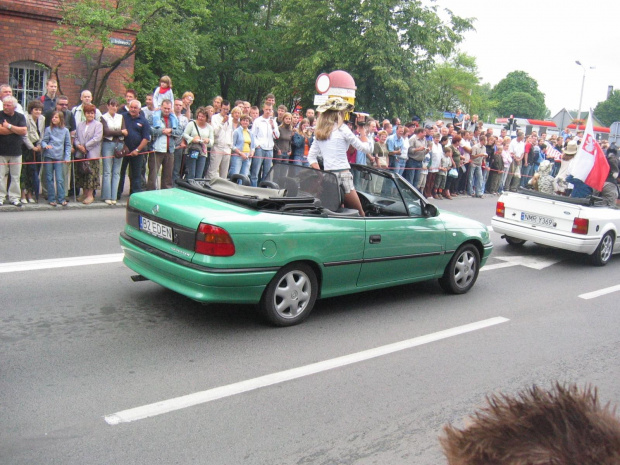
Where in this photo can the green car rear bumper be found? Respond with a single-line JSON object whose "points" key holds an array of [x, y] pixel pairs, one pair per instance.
{"points": [[196, 282]]}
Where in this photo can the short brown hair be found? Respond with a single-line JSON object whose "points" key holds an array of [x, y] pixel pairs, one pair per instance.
{"points": [[34, 104], [204, 111], [89, 108], [561, 426]]}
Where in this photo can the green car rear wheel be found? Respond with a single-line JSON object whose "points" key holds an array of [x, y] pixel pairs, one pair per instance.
{"points": [[290, 296]]}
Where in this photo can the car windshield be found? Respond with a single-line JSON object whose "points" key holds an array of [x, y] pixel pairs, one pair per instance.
{"points": [[394, 196]]}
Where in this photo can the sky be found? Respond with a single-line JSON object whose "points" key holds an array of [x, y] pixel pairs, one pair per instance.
{"points": [[544, 38]]}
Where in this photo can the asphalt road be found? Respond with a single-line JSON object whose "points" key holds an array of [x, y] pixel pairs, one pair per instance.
{"points": [[81, 343]]}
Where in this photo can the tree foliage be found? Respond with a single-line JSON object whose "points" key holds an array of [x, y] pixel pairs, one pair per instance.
{"points": [[246, 48], [517, 94], [451, 84], [389, 46], [163, 26], [608, 111]]}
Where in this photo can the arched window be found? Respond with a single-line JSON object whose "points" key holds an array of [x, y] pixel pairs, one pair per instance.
{"points": [[27, 78]]}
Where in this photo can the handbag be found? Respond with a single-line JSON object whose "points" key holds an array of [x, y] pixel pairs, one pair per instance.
{"points": [[194, 149], [453, 173], [84, 167], [382, 162], [122, 152]]}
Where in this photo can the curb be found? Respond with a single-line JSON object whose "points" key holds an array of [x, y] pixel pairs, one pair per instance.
{"points": [[43, 206]]}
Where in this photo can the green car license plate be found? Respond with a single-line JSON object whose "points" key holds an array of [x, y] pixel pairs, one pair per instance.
{"points": [[156, 229]]}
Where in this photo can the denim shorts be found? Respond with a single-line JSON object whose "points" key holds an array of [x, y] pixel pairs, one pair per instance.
{"points": [[345, 179]]}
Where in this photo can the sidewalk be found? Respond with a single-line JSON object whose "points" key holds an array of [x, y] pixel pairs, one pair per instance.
{"points": [[72, 205]]}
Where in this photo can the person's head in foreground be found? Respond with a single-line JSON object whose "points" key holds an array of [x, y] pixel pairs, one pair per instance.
{"points": [[563, 426]]}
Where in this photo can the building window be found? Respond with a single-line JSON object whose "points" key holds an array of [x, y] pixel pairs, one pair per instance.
{"points": [[28, 79]]}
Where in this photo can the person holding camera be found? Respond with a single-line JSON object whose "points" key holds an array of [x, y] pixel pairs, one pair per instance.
{"points": [[302, 140]]}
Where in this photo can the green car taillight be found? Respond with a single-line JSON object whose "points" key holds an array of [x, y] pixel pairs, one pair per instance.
{"points": [[214, 241]]}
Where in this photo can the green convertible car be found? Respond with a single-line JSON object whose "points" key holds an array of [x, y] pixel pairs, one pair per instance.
{"points": [[289, 241]]}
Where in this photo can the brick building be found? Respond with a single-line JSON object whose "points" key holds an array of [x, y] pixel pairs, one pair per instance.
{"points": [[27, 55]]}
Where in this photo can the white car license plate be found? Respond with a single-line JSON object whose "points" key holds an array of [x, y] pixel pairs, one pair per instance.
{"points": [[156, 229], [537, 219]]}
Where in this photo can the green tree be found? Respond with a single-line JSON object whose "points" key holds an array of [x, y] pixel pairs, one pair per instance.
{"points": [[239, 53], [161, 26], [521, 105], [511, 95], [451, 84], [608, 111], [388, 46]]}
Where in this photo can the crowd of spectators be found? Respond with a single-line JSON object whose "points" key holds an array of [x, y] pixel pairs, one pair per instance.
{"points": [[83, 153]]}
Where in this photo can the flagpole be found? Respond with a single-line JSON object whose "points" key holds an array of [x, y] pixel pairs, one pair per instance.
{"points": [[583, 83]]}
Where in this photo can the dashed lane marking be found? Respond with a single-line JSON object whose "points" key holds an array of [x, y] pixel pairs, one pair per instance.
{"points": [[190, 400], [600, 292], [60, 262]]}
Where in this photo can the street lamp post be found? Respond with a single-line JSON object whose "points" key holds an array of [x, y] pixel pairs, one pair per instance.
{"points": [[583, 82]]}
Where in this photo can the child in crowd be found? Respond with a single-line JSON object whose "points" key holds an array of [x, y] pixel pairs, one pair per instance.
{"points": [[56, 145], [163, 92], [440, 181]]}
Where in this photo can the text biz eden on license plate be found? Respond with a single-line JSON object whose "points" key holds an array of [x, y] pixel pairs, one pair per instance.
{"points": [[537, 219], [156, 229]]}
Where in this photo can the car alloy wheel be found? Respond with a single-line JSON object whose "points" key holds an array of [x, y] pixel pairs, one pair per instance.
{"points": [[290, 296], [603, 252], [462, 271]]}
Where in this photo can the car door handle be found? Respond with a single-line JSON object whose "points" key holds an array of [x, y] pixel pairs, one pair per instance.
{"points": [[375, 239]]}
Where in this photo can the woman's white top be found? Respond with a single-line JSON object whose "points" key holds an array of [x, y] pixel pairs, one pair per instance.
{"points": [[436, 154], [334, 149], [114, 123]]}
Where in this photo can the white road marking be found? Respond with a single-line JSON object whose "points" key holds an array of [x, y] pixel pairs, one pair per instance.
{"points": [[190, 400], [600, 292], [538, 263], [60, 262], [497, 266]]}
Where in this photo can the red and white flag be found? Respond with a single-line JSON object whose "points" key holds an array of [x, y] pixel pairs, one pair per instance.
{"points": [[590, 164], [554, 153]]}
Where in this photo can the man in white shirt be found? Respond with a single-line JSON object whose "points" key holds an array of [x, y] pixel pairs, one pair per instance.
{"points": [[516, 150], [87, 98], [265, 131], [219, 160], [7, 91]]}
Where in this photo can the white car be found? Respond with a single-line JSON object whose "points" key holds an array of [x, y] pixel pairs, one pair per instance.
{"points": [[578, 225]]}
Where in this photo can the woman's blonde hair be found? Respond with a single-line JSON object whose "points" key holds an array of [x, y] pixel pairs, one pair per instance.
{"points": [[287, 126], [325, 123]]}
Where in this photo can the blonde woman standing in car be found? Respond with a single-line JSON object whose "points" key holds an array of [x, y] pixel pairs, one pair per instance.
{"points": [[332, 138]]}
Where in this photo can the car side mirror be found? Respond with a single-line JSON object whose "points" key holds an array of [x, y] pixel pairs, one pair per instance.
{"points": [[430, 210]]}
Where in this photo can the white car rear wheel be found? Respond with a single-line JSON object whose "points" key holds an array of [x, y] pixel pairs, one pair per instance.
{"points": [[603, 252]]}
